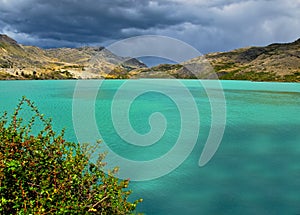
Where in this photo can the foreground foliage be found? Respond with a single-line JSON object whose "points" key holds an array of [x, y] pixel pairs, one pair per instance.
{"points": [[44, 174]]}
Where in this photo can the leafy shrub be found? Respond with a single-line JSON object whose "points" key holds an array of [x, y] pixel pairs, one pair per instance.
{"points": [[44, 174]]}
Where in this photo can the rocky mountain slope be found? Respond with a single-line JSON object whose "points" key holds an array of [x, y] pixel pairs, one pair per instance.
{"points": [[29, 62], [275, 62]]}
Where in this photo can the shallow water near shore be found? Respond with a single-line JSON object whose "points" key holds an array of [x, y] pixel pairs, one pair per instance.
{"points": [[255, 170]]}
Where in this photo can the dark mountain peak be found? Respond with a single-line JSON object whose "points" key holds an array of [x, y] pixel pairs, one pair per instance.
{"points": [[250, 54], [297, 41], [7, 39], [90, 48]]}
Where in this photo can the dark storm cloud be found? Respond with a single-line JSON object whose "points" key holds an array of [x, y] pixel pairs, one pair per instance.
{"points": [[209, 25], [84, 21]]}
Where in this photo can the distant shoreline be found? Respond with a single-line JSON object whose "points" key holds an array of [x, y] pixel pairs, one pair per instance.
{"points": [[20, 80]]}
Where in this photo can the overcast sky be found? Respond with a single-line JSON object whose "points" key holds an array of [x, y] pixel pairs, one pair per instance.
{"points": [[208, 25]]}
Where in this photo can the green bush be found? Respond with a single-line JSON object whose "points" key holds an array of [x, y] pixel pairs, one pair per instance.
{"points": [[44, 174]]}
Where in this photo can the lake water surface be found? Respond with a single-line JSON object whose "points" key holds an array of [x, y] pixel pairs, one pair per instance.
{"points": [[256, 169]]}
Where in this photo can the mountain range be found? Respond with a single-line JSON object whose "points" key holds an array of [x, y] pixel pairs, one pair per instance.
{"points": [[275, 62], [29, 62]]}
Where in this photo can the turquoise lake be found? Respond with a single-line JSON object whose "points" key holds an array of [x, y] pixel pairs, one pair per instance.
{"points": [[256, 169]]}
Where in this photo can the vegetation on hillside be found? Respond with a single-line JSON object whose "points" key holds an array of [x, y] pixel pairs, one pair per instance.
{"points": [[42, 173], [275, 62]]}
